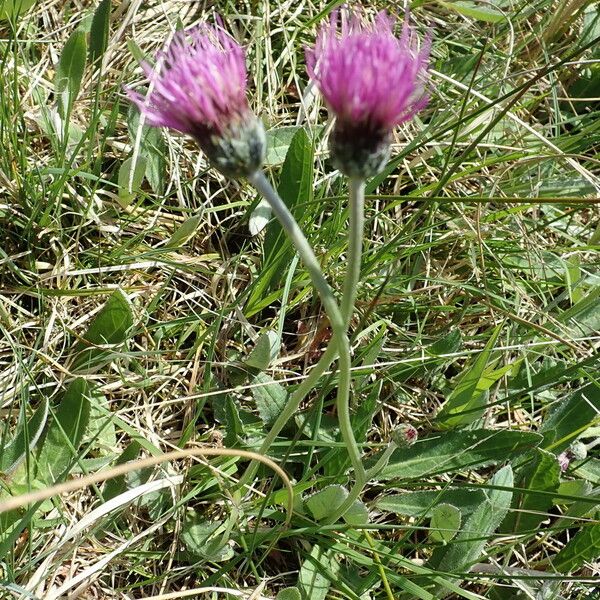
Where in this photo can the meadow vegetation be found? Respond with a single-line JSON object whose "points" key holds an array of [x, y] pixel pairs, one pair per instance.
{"points": [[150, 305]]}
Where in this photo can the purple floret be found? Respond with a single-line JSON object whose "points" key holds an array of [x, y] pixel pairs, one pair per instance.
{"points": [[368, 76], [200, 87]]}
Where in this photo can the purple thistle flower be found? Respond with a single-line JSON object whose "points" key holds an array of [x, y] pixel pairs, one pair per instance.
{"points": [[372, 81], [200, 90]]}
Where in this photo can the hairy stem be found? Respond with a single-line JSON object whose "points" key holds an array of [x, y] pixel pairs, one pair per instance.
{"points": [[339, 342]]}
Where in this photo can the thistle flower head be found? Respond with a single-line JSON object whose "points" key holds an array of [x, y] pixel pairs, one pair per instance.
{"points": [[199, 88], [372, 81]]}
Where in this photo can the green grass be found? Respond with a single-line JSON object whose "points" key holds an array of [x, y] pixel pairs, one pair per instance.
{"points": [[477, 321]]}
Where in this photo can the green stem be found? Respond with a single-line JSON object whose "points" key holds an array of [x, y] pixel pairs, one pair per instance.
{"points": [[355, 236], [339, 342], [355, 240], [292, 405], [294, 233]]}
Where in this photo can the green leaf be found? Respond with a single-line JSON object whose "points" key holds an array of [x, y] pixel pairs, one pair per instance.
{"points": [[265, 350], [583, 318], [570, 418], [457, 450], [203, 538], [270, 397], [117, 485], [101, 432], [584, 547], [260, 217], [469, 392], [152, 148], [26, 437], [69, 72], [422, 503], [291, 593], [185, 232], [9, 9], [481, 12], [130, 179], [110, 326], [296, 190], [448, 344], [317, 573], [542, 474], [468, 545], [99, 30], [357, 514], [65, 432], [325, 502], [279, 140], [445, 522], [227, 412]]}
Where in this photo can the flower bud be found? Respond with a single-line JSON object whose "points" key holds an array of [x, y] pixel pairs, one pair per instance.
{"points": [[404, 435]]}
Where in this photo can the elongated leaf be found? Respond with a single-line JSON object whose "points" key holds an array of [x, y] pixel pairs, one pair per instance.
{"points": [[584, 547], [296, 190], [457, 450], [467, 547], [583, 318], [110, 326], [185, 232], [260, 217], [265, 350], [152, 149], [130, 179], [65, 432], [418, 504], [570, 418], [117, 485], [541, 475], [473, 10], [14, 8], [69, 72], [99, 30], [357, 514], [316, 574], [279, 141], [202, 538], [26, 437], [269, 396], [469, 392]]}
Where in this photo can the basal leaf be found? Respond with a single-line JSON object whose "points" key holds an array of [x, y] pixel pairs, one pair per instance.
{"points": [[270, 397], [279, 140], [296, 190], [326, 501], [445, 522], [469, 393], [265, 350], [468, 545], [110, 326], [317, 573], [457, 450], [421, 503], [65, 432], [473, 10], [99, 30], [69, 72], [291, 593], [24, 440], [542, 474], [570, 417], [583, 547]]}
